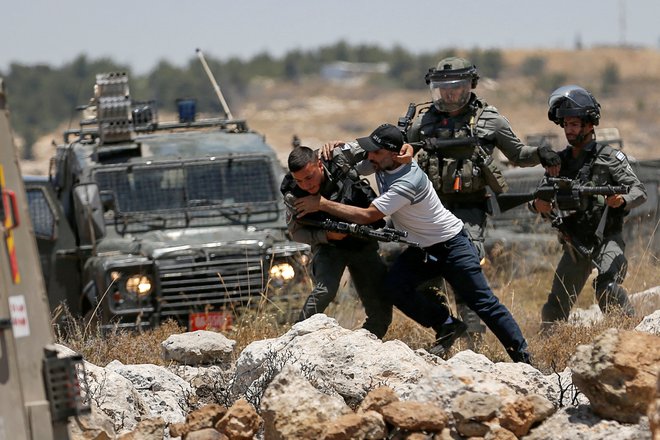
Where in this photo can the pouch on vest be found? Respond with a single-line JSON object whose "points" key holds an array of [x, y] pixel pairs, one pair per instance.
{"points": [[492, 175], [470, 181]]}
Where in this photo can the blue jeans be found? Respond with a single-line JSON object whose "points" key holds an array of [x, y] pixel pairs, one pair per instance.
{"points": [[457, 262]]}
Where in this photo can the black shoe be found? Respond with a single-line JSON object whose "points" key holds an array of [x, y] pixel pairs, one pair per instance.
{"points": [[521, 356], [446, 336]]}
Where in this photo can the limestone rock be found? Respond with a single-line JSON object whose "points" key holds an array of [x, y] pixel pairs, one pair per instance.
{"points": [[367, 425], [198, 348], [241, 422], [618, 373], [292, 408], [415, 416]]}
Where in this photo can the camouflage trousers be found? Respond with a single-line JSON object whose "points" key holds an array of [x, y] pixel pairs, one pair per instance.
{"points": [[572, 273], [367, 271]]}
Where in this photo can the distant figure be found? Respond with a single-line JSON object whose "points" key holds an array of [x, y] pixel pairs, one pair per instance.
{"points": [[295, 141], [596, 224]]}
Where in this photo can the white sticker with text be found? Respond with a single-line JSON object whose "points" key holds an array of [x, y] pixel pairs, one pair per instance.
{"points": [[19, 316]]}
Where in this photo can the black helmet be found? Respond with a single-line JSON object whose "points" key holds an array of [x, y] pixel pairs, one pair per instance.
{"points": [[451, 73], [573, 100]]}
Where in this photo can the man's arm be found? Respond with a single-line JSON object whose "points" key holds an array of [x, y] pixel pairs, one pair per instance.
{"points": [[361, 216], [518, 153]]}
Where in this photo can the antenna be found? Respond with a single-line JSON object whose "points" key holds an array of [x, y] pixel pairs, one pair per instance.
{"points": [[216, 87]]}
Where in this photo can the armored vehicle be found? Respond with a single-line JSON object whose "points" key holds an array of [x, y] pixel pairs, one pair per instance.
{"points": [[142, 220]]}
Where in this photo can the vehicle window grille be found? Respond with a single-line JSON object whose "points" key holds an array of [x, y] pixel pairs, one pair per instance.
{"points": [[43, 220], [194, 185]]}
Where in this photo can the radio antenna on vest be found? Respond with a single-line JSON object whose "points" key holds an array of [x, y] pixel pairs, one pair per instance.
{"points": [[216, 87]]}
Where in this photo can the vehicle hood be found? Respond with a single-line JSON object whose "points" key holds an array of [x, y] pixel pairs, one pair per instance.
{"points": [[164, 243]]}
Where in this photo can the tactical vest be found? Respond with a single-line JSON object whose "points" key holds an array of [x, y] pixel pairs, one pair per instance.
{"points": [[584, 222], [457, 179]]}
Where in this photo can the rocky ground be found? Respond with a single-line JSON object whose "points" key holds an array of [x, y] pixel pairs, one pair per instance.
{"points": [[322, 381]]}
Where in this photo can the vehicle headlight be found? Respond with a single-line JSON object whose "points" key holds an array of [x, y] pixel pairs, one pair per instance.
{"points": [[282, 272], [139, 285]]}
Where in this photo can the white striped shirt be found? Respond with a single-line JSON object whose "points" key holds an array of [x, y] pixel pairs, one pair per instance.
{"points": [[408, 197]]}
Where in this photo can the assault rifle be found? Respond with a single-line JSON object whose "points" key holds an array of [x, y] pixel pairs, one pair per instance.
{"points": [[568, 194], [455, 148], [362, 231]]}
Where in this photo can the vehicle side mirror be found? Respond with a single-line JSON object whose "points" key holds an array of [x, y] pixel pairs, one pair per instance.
{"points": [[88, 213]]}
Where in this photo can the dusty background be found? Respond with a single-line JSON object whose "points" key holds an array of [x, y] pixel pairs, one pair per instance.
{"points": [[319, 110]]}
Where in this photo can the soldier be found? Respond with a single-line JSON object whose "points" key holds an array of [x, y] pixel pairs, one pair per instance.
{"points": [[461, 180], [333, 252], [596, 224]]}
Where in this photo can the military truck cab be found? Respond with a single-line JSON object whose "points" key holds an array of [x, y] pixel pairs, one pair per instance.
{"points": [[178, 220]]}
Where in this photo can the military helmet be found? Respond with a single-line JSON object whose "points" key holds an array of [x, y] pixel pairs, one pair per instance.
{"points": [[452, 68], [573, 100], [451, 83]]}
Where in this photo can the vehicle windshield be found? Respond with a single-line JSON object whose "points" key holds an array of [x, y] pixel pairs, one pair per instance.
{"points": [[173, 194]]}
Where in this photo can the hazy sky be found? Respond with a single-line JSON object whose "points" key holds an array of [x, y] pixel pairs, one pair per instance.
{"points": [[140, 33]]}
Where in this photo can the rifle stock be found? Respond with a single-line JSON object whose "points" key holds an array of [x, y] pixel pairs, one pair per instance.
{"points": [[511, 200]]}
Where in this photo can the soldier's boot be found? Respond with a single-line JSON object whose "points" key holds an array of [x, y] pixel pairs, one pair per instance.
{"points": [[612, 297], [476, 329], [554, 310]]}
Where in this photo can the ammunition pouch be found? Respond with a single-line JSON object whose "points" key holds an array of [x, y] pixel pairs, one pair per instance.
{"points": [[475, 172], [493, 175], [469, 173]]}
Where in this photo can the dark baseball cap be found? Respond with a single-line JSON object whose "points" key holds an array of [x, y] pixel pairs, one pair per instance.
{"points": [[386, 136]]}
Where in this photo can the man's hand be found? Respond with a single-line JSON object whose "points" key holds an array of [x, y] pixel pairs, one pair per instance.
{"points": [[542, 206], [335, 235], [406, 154], [550, 160], [326, 150], [615, 201], [308, 204]]}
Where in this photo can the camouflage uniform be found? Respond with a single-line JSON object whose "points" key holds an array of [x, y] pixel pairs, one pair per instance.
{"points": [[599, 165], [471, 204]]}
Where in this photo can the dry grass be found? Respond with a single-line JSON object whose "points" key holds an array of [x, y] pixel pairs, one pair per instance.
{"points": [[100, 347], [524, 296]]}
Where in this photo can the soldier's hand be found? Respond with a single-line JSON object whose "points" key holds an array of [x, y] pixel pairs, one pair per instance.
{"points": [[615, 201], [406, 154], [335, 235], [549, 159], [306, 205], [326, 150], [553, 171], [542, 206]]}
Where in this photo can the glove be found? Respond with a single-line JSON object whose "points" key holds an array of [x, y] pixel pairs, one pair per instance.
{"points": [[548, 157]]}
